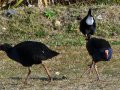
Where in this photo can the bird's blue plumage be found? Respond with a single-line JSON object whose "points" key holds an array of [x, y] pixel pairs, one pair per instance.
{"points": [[96, 48], [100, 55]]}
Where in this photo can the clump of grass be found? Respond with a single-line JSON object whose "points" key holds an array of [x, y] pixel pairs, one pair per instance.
{"points": [[49, 13], [116, 43], [66, 40], [40, 33], [114, 30], [71, 27], [74, 42]]}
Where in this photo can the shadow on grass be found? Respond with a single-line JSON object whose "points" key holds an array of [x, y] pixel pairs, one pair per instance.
{"points": [[40, 78]]}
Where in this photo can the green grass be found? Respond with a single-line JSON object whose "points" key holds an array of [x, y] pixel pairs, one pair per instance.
{"points": [[107, 1], [116, 43], [49, 13], [32, 24]]}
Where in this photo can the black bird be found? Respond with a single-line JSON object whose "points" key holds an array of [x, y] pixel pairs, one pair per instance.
{"points": [[100, 50], [28, 53], [88, 25]]}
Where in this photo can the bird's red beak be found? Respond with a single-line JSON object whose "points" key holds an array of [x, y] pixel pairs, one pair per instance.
{"points": [[106, 53]]}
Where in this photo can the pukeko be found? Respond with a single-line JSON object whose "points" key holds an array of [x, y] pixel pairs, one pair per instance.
{"points": [[100, 50], [88, 25], [28, 53]]}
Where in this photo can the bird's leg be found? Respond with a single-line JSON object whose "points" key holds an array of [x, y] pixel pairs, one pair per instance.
{"points": [[47, 71], [29, 71], [95, 66], [86, 71], [86, 38], [90, 72], [89, 69]]}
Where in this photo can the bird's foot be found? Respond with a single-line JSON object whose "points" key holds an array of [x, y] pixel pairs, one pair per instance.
{"points": [[98, 79], [50, 79], [101, 80], [90, 66], [25, 83], [87, 71]]}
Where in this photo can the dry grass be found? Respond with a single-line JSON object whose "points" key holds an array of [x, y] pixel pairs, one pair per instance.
{"points": [[72, 61]]}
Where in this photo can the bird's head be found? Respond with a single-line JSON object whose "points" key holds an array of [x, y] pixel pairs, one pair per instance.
{"points": [[108, 54], [5, 47]]}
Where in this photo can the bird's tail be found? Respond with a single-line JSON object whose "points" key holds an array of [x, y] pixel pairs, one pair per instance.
{"points": [[54, 53], [50, 54]]}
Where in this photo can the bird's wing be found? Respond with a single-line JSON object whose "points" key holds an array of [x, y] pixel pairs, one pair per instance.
{"points": [[36, 51], [82, 26]]}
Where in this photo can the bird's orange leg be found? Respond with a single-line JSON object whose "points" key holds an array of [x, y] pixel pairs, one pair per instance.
{"points": [[96, 70], [48, 73], [29, 72], [89, 69]]}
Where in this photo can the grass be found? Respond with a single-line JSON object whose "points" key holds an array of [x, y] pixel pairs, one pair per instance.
{"points": [[107, 1], [32, 24]]}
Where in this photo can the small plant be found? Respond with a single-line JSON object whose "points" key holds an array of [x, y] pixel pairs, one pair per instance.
{"points": [[40, 33], [49, 14], [71, 27], [81, 41]]}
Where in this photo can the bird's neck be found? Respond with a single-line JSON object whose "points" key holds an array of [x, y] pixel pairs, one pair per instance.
{"points": [[8, 49]]}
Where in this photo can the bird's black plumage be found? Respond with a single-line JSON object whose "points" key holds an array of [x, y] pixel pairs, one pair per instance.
{"points": [[88, 25], [28, 53], [99, 50], [96, 48]]}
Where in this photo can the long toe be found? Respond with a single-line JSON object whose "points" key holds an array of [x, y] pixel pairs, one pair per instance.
{"points": [[86, 72], [98, 79], [25, 82]]}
